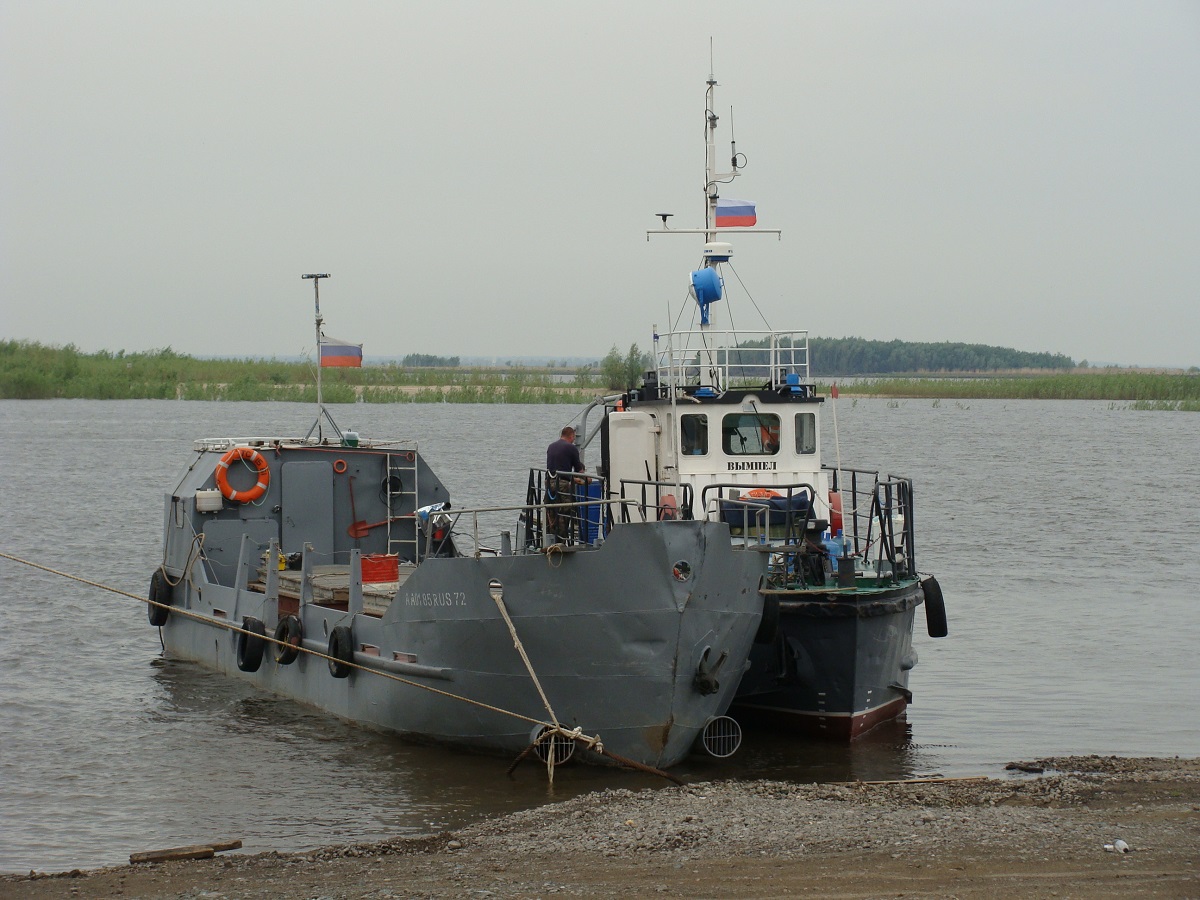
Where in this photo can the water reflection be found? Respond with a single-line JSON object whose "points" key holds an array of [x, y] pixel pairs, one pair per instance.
{"points": [[277, 756]]}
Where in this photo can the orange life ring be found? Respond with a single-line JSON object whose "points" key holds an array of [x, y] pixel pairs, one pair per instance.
{"points": [[760, 494], [339, 466], [260, 466]]}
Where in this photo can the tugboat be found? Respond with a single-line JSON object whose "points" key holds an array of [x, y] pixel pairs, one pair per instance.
{"points": [[333, 569], [727, 428]]}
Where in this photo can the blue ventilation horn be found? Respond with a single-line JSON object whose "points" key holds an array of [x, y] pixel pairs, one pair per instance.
{"points": [[706, 287]]}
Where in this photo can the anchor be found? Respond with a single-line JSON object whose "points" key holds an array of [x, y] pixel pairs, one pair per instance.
{"points": [[705, 680]]}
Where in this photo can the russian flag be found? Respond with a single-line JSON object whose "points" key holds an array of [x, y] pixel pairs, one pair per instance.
{"points": [[735, 213], [339, 353]]}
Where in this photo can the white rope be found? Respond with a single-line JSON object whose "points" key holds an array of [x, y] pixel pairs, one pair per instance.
{"points": [[838, 449], [512, 630]]}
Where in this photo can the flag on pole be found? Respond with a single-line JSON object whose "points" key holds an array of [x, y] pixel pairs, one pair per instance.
{"points": [[735, 213], [833, 391], [339, 353]]}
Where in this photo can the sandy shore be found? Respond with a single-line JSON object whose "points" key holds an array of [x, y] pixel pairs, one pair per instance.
{"points": [[1031, 835]]}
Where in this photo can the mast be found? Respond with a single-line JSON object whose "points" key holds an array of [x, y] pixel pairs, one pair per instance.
{"points": [[321, 410], [712, 176], [706, 286]]}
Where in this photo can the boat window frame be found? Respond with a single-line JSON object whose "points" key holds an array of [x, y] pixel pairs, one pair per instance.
{"points": [[701, 434], [754, 424], [806, 430]]}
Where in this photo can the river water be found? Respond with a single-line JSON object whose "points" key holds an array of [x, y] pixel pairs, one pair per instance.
{"points": [[1064, 534]]}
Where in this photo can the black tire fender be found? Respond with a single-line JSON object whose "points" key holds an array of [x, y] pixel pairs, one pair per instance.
{"points": [[251, 644], [341, 649], [935, 608], [768, 625], [160, 592], [290, 632]]}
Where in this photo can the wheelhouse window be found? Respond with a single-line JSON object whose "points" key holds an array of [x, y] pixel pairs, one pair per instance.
{"points": [[750, 434], [693, 434], [806, 432]]}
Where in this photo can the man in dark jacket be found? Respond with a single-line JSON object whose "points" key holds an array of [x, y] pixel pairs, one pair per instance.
{"points": [[562, 462]]}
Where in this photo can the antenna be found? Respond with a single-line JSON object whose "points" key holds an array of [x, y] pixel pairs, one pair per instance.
{"points": [[321, 410], [733, 154], [720, 251]]}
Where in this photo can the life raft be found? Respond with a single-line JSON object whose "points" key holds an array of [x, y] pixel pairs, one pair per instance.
{"points": [[760, 494], [261, 468]]}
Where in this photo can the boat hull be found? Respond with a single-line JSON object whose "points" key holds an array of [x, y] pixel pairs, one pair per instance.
{"points": [[614, 637], [838, 666]]}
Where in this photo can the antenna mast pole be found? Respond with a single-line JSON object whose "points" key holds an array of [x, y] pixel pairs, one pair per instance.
{"points": [[321, 410]]}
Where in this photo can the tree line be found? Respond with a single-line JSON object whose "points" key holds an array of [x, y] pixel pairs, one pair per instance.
{"points": [[858, 356]]}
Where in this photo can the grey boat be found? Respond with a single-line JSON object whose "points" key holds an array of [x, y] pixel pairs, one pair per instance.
{"points": [[336, 572]]}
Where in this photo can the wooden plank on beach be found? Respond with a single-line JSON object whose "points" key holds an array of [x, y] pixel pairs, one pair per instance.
{"points": [[968, 778], [195, 851]]}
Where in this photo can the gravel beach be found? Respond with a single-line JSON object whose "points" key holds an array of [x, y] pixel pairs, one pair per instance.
{"points": [[1079, 827]]}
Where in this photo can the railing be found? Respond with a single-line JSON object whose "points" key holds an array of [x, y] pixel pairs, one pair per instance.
{"points": [[655, 500], [220, 445], [714, 359], [877, 526], [878, 518], [783, 513], [571, 507]]}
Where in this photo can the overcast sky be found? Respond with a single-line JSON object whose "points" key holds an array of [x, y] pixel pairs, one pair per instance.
{"points": [[479, 177]]}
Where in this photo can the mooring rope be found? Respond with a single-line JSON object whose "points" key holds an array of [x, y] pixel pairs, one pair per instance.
{"points": [[551, 729], [512, 630], [551, 755]]}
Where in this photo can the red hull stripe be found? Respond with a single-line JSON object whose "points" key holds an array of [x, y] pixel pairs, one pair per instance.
{"points": [[838, 726]]}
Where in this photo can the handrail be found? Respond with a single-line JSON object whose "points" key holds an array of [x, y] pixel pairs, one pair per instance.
{"points": [[874, 531], [720, 357], [760, 509], [683, 502]]}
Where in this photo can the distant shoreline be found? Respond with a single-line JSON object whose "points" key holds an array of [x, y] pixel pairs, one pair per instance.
{"points": [[34, 372], [1139, 391]]}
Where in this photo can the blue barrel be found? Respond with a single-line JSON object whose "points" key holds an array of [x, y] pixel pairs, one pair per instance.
{"points": [[592, 512]]}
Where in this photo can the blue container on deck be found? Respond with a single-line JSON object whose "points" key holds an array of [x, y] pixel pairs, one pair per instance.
{"points": [[592, 512], [834, 546]]}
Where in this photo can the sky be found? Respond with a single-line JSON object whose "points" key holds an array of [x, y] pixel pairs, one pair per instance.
{"points": [[478, 177]]}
